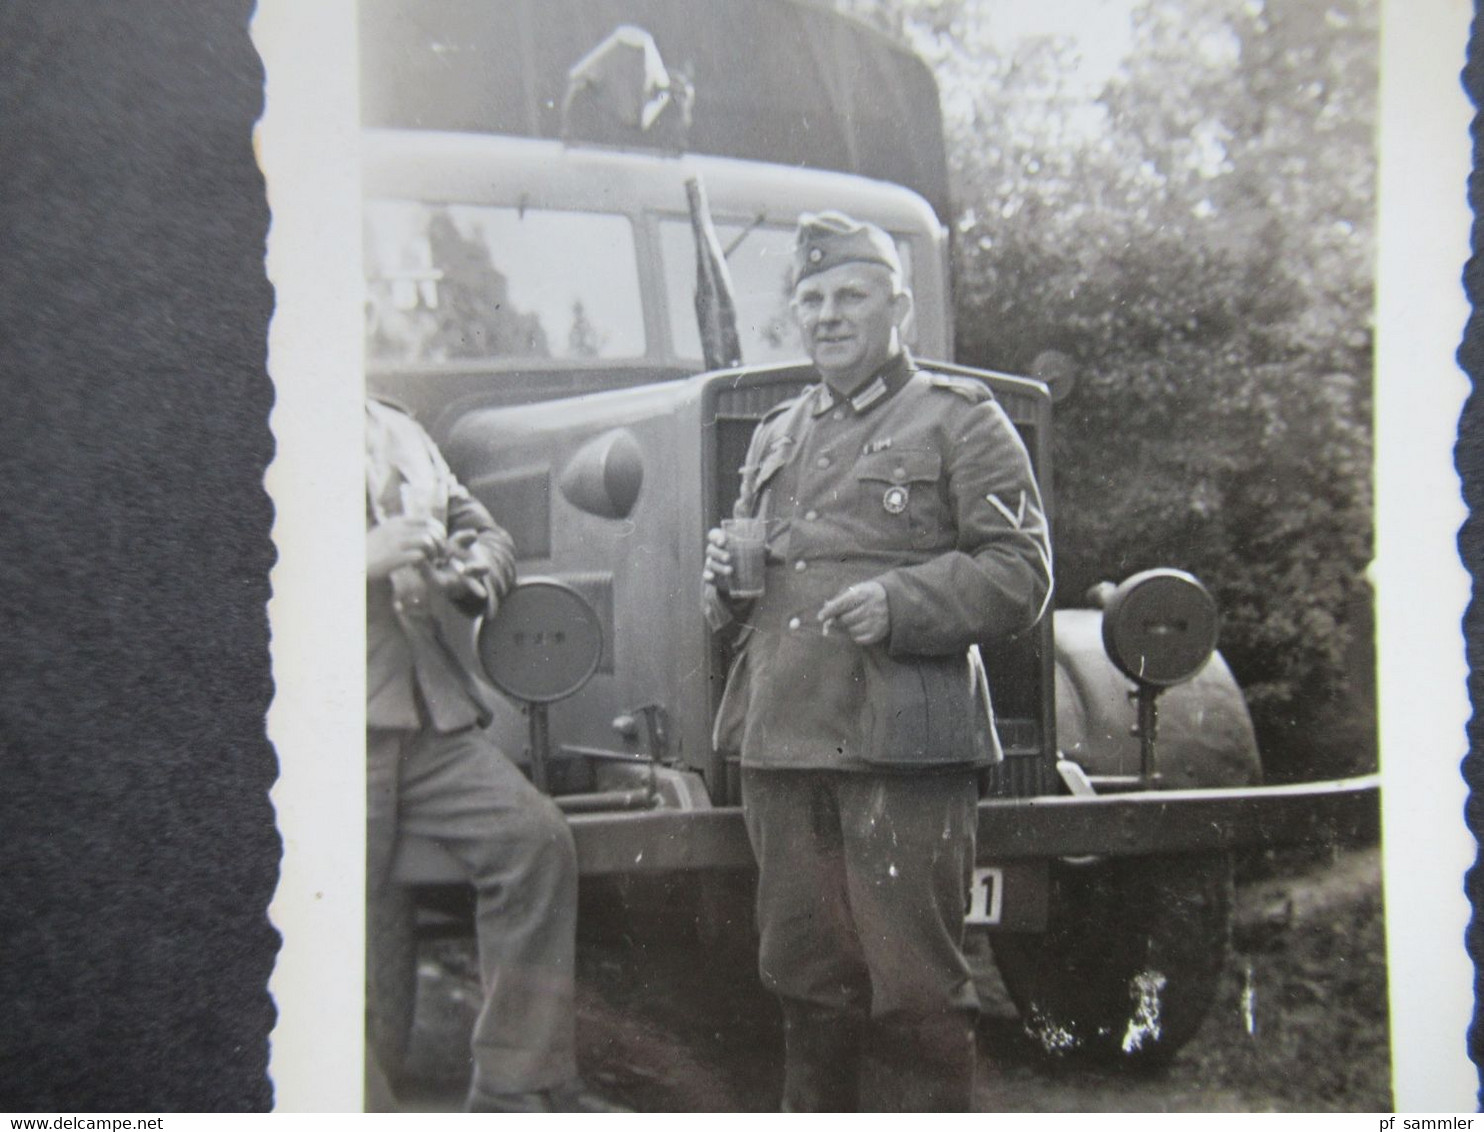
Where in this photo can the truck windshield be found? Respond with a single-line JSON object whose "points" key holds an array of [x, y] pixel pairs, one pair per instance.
{"points": [[760, 266], [452, 281]]}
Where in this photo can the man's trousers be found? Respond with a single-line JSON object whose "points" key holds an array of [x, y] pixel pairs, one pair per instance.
{"points": [[862, 889], [460, 791]]}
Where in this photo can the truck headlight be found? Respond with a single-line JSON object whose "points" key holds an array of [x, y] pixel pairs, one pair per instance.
{"points": [[1160, 627], [604, 476]]}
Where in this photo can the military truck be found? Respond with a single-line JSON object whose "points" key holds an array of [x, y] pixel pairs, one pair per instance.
{"points": [[578, 221]]}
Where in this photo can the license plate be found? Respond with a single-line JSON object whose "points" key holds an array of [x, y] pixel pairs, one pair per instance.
{"points": [[1011, 896]]}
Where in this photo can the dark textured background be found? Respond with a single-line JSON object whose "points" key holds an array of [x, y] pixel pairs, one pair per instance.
{"points": [[1470, 460], [137, 845]]}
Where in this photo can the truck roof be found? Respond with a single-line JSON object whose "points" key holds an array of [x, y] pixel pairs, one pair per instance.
{"points": [[787, 82]]}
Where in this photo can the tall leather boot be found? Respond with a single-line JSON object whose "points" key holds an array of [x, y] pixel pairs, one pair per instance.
{"points": [[822, 1052], [921, 1064]]}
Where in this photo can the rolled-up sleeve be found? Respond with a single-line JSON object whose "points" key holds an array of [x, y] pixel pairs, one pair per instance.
{"points": [[997, 581]]}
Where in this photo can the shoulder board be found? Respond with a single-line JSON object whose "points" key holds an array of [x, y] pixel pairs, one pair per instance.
{"points": [[974, 392]]}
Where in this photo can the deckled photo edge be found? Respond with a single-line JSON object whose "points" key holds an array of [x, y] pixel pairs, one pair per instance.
{"points": [[307, 143]]}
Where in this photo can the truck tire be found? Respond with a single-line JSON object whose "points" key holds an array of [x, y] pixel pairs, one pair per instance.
{"points": [[1131, 959]]}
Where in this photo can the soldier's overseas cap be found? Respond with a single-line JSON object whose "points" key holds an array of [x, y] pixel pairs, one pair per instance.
{"points": [[828, 239]]}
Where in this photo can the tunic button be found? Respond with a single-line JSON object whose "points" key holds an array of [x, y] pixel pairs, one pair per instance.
{"points": [[838, 414], [801, 566], [823, 462], [899, 474], [811, 515], [794, 622]]}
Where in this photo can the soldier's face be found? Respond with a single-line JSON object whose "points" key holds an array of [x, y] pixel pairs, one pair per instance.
{"points": [[848, 317]]}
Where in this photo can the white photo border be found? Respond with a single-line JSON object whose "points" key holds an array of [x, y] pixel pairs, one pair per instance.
{"points": [[307, 143]]}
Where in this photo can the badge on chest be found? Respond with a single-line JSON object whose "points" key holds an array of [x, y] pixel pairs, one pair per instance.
{"points": [[894, 502]]}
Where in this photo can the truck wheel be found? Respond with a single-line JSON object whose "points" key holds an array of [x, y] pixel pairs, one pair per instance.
{"points": [[1131, 958]]}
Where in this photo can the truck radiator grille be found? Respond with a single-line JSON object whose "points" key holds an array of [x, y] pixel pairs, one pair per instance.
{"points": [[1024, 772], [1018, 736], [738, 408], [752, 402]]}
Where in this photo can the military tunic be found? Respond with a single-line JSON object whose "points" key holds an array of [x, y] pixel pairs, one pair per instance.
{"points": [[919, 482]]}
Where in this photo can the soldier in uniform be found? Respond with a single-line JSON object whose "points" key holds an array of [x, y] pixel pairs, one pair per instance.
{"points": [[436, 560], [904, 528]]}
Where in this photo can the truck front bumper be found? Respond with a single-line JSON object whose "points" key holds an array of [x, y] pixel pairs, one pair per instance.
{"points": [[1010, 829]]}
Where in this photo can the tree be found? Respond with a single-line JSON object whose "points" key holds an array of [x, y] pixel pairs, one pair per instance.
{"points": [[475, 316]]}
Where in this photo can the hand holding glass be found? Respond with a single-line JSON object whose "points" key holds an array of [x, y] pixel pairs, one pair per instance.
{"points": [[747, 545]]}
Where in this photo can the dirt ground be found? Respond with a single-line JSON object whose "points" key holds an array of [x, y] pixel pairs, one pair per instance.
{"points": [[670, 1024]]}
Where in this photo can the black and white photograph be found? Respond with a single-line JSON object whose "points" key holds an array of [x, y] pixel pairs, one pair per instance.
{"points": [[908, 559]]}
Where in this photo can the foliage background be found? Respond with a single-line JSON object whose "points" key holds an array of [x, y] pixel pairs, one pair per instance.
{"points": [[1193, 245]]}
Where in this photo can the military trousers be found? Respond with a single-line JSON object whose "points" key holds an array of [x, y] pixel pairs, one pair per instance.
{"points": [[461, 791], [862, 888]]}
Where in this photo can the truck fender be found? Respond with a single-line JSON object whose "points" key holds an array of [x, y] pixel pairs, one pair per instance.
{"points": [[1205, 735]]}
